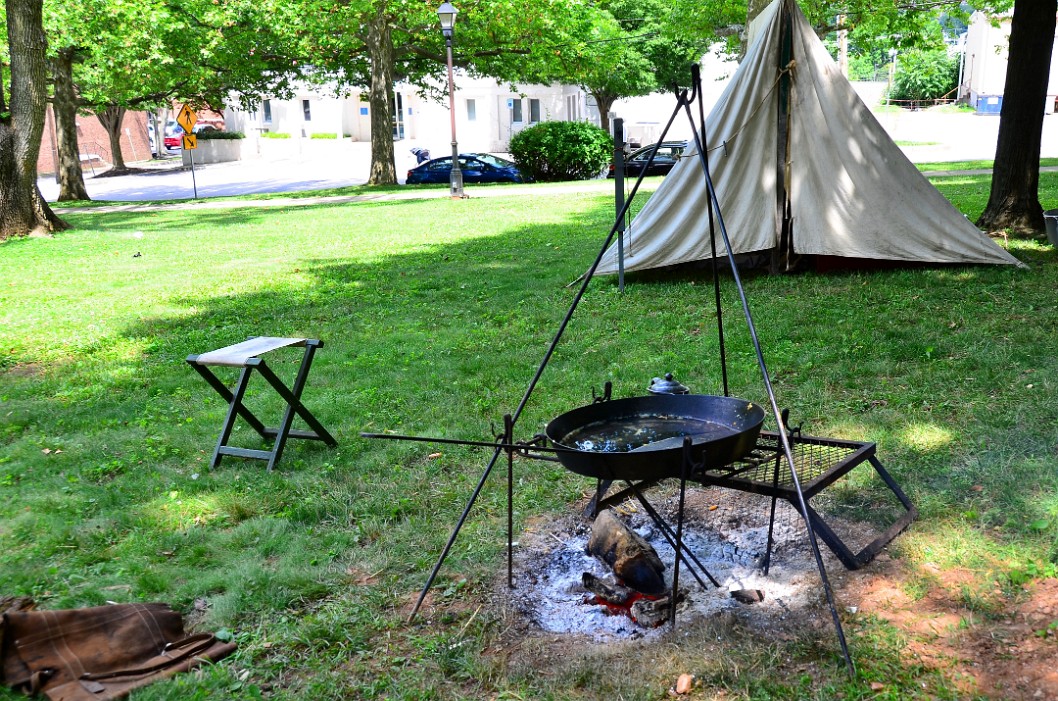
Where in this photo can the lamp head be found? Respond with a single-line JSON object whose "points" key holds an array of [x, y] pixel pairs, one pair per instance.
{"points": [[447, 14]]}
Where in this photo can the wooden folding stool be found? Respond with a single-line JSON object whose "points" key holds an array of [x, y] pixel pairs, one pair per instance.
{"points": [[245, 355]]}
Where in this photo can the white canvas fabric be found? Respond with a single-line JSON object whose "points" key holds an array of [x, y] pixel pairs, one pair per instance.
{"points": [[853, 193]]}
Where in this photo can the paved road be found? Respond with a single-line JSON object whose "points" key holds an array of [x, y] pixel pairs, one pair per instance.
{"points": [[167, 179], [923, 136]]}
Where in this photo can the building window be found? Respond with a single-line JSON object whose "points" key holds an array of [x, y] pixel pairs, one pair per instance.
{"points": [[516, 110], [572, 108], [534, 111], [396, 108], [306, 107], [472, 111], [267, 108]]}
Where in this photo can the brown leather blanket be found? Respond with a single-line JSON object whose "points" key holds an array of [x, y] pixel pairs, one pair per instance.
{"points": [[98, 653]]}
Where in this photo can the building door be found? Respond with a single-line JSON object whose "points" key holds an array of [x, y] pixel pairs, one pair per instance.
{"points": [[513, 117]]}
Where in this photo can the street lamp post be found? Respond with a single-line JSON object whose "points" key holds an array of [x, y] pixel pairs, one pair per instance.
{"points": [[447, 14]]}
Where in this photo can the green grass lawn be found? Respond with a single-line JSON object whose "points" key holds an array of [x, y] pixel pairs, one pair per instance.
{"points": [[435, 315]]}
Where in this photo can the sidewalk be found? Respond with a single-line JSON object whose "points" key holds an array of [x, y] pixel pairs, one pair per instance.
{"points": [[417, 194]]}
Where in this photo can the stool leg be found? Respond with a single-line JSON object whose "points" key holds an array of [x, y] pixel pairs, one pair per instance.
{"points": [[293, 399], [227, 396], [283, 429], [233, 410]]}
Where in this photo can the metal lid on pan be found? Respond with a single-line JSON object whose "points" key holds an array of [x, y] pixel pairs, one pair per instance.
{"points": [[667, 385]]}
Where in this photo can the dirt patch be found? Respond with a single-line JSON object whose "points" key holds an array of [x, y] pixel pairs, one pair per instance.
{"points": [[1011, 655], [23, 370], [112, 173]]}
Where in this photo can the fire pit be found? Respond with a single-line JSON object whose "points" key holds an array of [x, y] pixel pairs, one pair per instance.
{"points": [[728, 530]]}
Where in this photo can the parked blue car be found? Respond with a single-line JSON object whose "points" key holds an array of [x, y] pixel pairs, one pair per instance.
{"points": [[476, 167]]}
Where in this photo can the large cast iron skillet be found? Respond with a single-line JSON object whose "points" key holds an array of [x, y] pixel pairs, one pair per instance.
{"points": [[727, 430]]}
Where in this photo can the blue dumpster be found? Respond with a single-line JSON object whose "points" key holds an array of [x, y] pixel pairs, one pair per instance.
{"points": [[989, 104]]}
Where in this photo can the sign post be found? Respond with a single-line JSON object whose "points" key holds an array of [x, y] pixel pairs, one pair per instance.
{"points": [[186, 118]]}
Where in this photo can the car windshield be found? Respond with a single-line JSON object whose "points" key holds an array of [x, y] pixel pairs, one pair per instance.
{"points": [[666, 151], [493, 161]]}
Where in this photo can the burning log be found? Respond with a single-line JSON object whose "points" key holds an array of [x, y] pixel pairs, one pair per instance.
{"points": [[648, 611], [651, 613], [611, 593], [634, 561]]}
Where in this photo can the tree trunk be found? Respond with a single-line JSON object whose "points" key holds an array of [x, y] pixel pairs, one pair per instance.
{"points": [[380, 48], [111, 118], [1014, 201], [22, 209], [754, 8], [64, 104], [605, 101]]}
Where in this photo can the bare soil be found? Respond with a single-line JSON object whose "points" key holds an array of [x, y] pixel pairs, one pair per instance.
{"points": [[1012, 656]]}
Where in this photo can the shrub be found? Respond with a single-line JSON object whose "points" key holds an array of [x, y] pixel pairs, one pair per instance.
{"points": [[274, 135], [923, 76], [552, 151], [218, 135], [872, 66], [324, 136]]}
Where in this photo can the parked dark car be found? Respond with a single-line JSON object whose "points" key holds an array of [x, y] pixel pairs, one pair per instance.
{"points": [[476, 167], [669, 153]]}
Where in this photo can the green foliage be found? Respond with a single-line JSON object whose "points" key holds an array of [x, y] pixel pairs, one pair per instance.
{"points": [[220, 135], [274, 135], [553, 151], [924, 75], [869, 65], [144, 53], [326, 135]]}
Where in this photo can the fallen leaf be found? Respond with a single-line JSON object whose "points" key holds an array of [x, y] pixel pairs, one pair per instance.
{"points": [[713, 507], [877, 686], [434, 456], [46, 451], [684, 684]]}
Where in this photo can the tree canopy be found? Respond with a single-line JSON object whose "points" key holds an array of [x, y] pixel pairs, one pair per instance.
{"points": [[147, 53]]}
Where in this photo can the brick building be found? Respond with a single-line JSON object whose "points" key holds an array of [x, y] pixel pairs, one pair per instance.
{"points": [[94, 143]]}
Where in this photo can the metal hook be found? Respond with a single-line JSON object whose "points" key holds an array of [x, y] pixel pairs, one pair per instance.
{"points": [[790, 430]]}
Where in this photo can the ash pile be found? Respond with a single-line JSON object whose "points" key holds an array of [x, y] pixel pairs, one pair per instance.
{"points": [[568, 580]]}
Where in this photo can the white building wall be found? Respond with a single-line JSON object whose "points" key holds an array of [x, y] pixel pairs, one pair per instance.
{"points": [[488, 114], [985, 68], [985, 62]]}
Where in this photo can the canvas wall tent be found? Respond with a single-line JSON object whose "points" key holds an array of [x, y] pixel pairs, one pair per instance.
{"points": [[801, 168]]}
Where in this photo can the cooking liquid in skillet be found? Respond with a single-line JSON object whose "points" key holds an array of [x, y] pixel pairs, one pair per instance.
{"points": [[626, 434]]}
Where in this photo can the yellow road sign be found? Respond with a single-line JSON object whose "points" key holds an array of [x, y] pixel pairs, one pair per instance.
{"points": [[190, 141], [186, 119]]}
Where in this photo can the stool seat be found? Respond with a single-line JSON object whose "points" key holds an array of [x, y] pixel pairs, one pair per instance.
{"points": [[238, 354], [246, 355]]}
